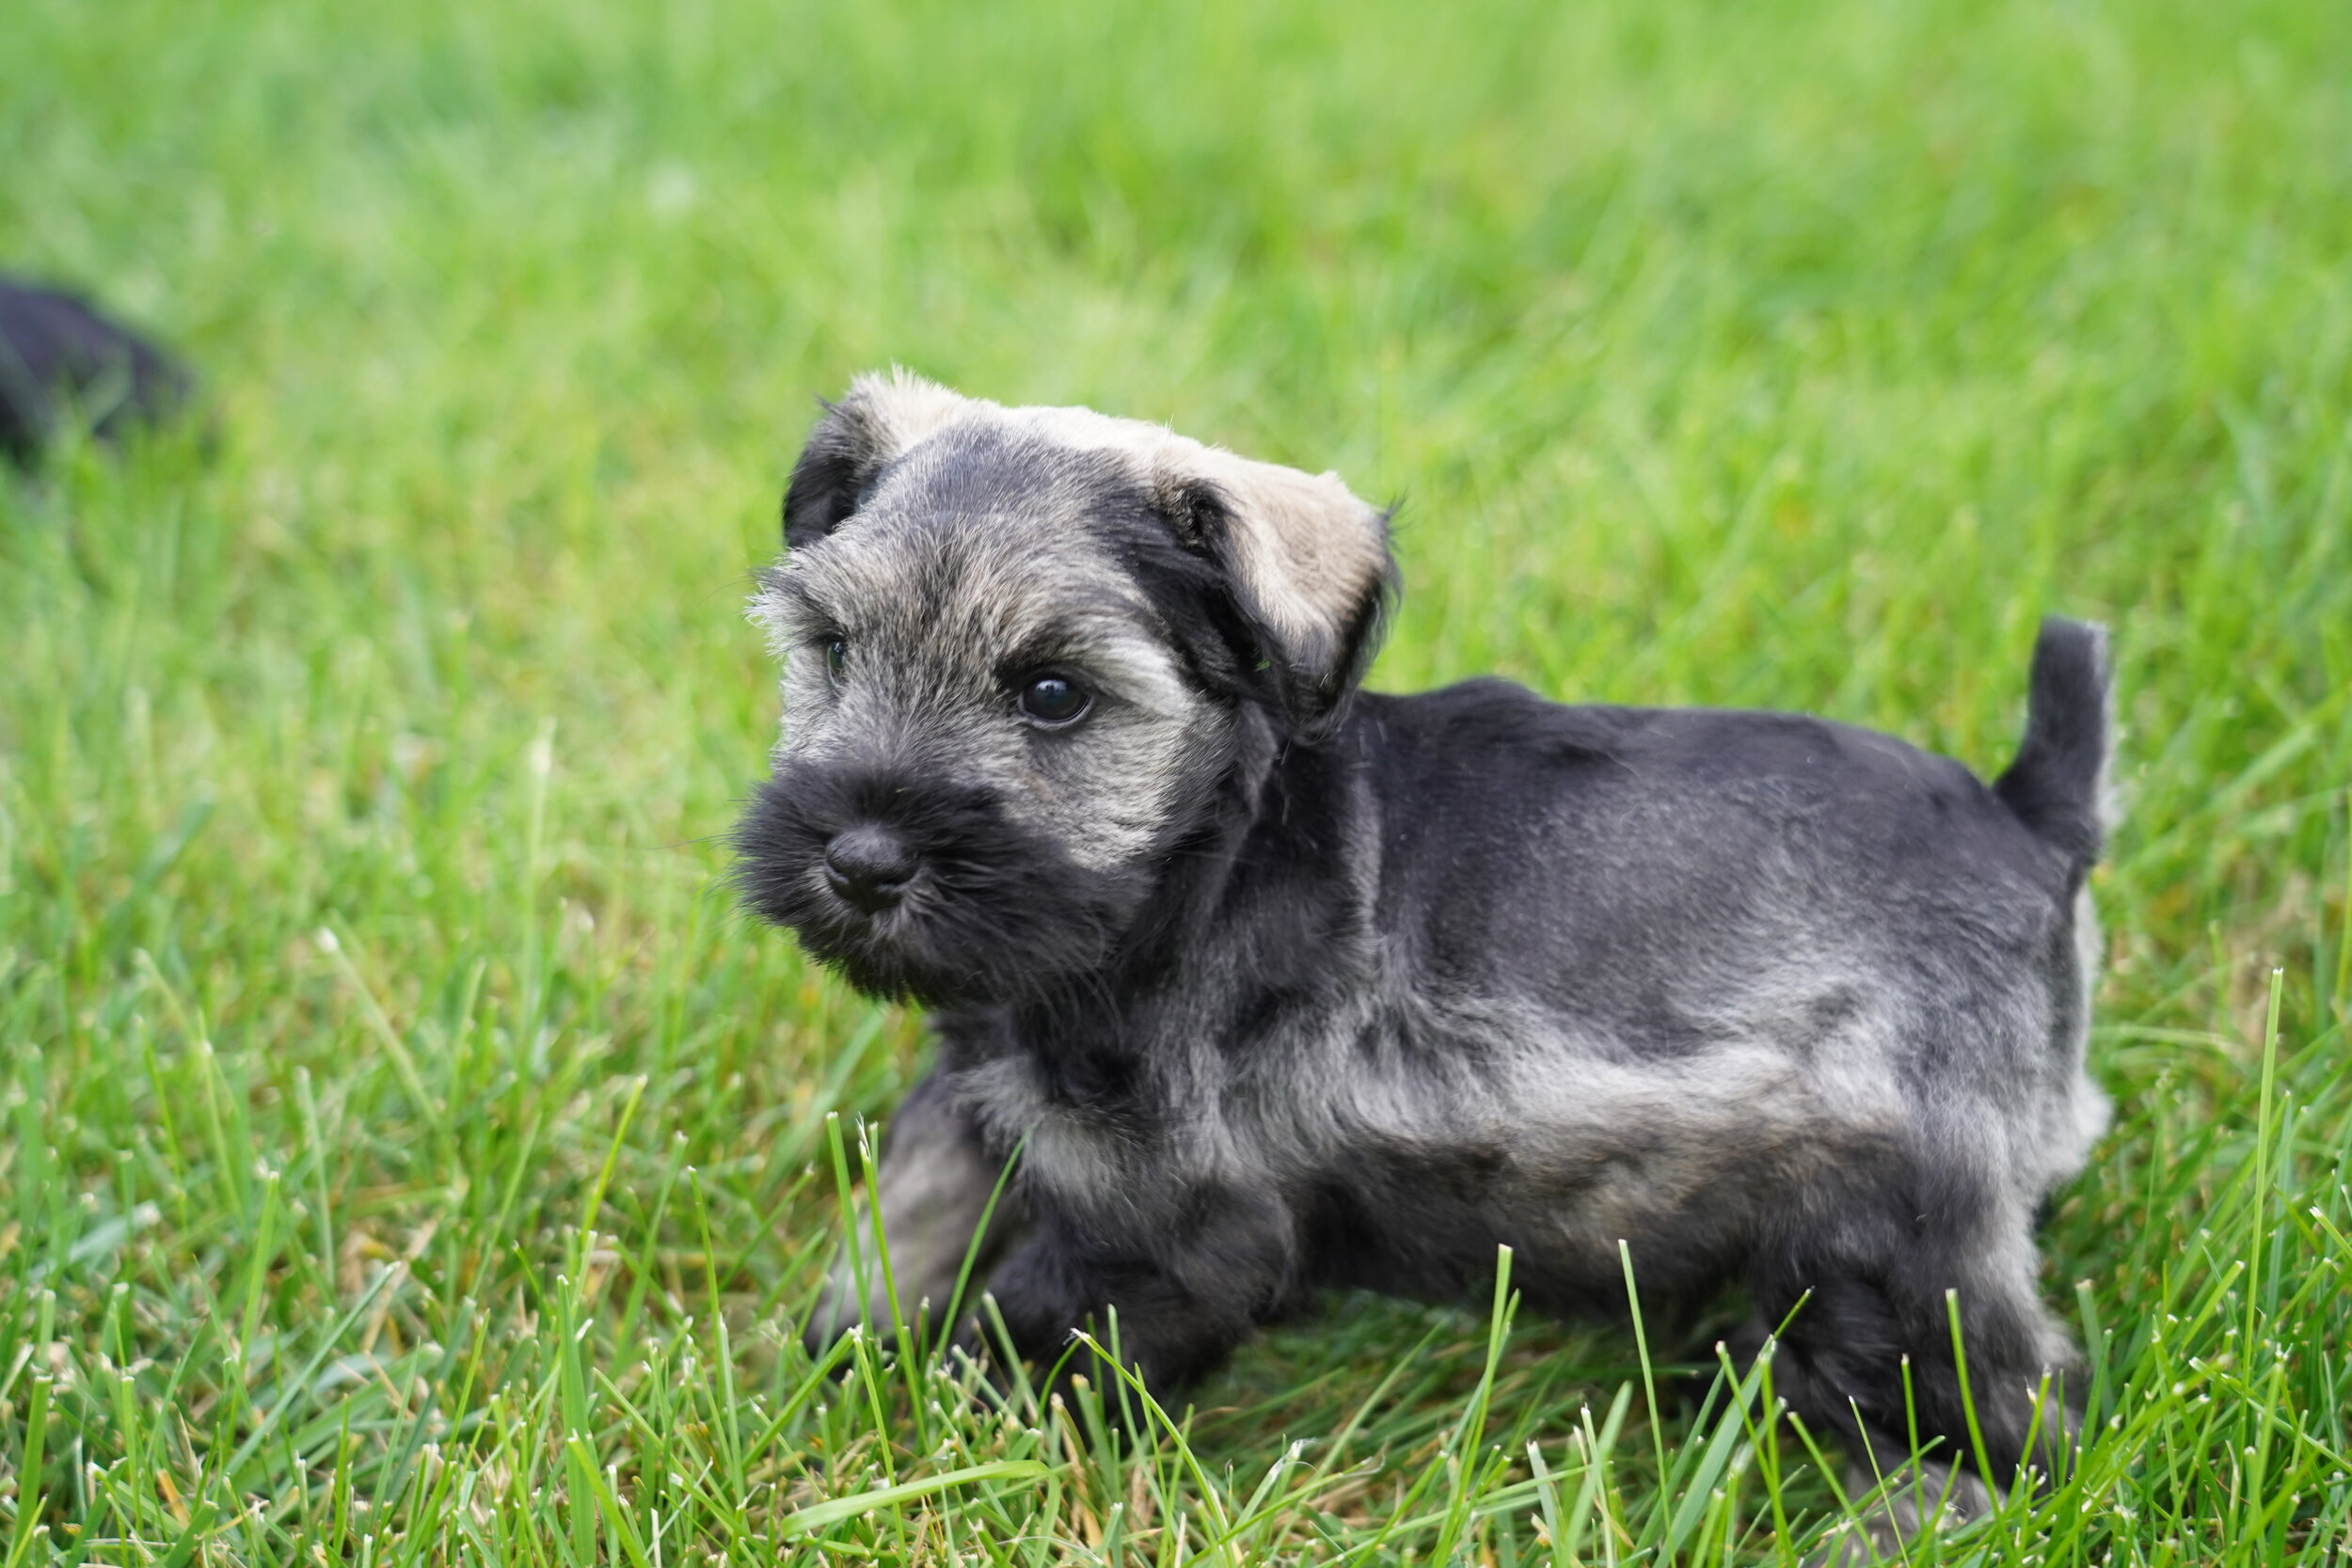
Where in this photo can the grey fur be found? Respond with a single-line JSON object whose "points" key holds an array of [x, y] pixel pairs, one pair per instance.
{"points": [[1281, 986], [941, 1186]]}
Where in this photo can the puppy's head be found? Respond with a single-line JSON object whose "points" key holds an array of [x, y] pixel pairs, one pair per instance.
{"points": [[1021, 649]]}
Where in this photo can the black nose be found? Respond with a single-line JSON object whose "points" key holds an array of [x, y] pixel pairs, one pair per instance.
{"points": [[869, 866]]}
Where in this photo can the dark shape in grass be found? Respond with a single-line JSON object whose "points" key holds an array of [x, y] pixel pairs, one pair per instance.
{"points": [[61, 360]]}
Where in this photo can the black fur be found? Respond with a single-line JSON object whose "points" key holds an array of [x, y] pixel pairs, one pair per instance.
{"points": [[2053, 785], [843, 456], [59, 357], [1309, 686], [998, 912]]}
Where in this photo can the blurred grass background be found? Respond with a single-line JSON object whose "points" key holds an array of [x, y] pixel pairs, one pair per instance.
{"points": [[362, 762]]}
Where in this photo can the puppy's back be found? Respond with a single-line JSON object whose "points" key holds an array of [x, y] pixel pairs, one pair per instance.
{"points": [[1664, 878]]}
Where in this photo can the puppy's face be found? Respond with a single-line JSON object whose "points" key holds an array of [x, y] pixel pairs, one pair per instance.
{"points": [[1018, 648]]}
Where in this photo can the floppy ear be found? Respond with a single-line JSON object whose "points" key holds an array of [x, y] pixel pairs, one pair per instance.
{"points": [[1307, 564], [880, 417]]}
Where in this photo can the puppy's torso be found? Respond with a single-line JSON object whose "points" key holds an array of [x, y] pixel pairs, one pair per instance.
{"points": [[1492, 970], [1276, 985]]}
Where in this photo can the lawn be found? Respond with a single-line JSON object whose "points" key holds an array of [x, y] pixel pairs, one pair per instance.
{"points": [[409, 1153]]}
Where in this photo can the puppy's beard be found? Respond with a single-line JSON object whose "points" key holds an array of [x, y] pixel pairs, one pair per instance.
{"points": [[995, 914]]}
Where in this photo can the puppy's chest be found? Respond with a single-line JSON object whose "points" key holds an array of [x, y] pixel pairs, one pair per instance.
{"points": [[1092, 1128], [1121, 1133]]}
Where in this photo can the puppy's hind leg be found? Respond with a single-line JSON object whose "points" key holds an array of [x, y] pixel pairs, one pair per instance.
{"points": [[1870, 1358], [933, 1188]]}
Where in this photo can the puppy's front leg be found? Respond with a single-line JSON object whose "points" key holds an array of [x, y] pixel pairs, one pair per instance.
{"points": [[933, 1185], [1175, 1309]]}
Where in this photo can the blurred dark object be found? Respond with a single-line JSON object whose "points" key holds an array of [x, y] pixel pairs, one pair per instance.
{"points": [[61, 360]]}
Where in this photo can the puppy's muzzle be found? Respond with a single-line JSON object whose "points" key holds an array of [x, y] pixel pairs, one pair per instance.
{"points": [[869, 865]]}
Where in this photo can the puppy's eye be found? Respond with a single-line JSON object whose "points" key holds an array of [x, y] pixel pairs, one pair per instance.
{"points": [[838, 658], [1054, 701]]}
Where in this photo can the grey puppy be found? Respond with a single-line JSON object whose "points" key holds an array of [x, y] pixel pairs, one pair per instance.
{"points": [[1278, 984]]}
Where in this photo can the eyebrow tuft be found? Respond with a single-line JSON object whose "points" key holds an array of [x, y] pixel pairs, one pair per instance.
{"points": [[796, 596], [1042, 653]]}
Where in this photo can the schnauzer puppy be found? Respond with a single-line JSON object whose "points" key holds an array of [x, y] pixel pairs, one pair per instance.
{"points": [[1278, 984]]}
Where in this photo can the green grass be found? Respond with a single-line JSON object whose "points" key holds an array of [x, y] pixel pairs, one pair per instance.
{"points": [[408, 1155]]}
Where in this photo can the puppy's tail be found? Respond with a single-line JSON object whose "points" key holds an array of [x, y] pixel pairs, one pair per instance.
{"points": [[2057, 784]]}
